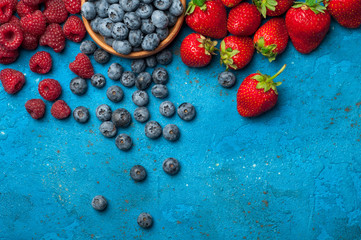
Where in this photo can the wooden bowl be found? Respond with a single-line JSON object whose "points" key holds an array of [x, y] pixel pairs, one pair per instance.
{"points": [[142, 54]]}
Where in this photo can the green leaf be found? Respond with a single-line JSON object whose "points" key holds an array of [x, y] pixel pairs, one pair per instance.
{"points": [[258, 77], [199, 3], [223, 46]]}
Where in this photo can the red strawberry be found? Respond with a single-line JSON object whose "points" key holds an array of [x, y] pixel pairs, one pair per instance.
{"points": [[236, 52], [346, 12], [72, 6], [8, 56], [273, 7], [74, 29], [257, 94], [36, 108], [82, 66], [12, 80], [30, 41], [243, 20], [22, 9], [307, 24], [34, 23], [41, 62], [196, 50], [53, 37], [231, 3], [11, 36], [55, 11], [6, 10], [208, 18], [60, 110], [33, 2], [272, 38], [49, 89]]}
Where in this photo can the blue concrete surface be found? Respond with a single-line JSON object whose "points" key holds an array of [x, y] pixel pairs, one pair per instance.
{"points": [[293, 173]]}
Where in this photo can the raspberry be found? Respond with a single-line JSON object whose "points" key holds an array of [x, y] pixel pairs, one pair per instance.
{"points": [[60, 110], [15, 20], [8, 56], [22, 9], [41, 62], [35, 107], [30, 41], [72, 6], [55, 11], [12, 80], [82, 66], [6, 10], [74, 29], [49, 89], [33, 2], [34, 23], [53, 37], [11, 36]]}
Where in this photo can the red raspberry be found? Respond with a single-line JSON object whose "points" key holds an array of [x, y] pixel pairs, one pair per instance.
{"points": [[55, 11], [49, 89], [33, 2], [15, 20], [7, 7], [30, 41], [35, 107], [22, 9], [72, 6], [41, 62], [60, 110], [82, 66], [53, 37], [11, 36], [74, 29], [34, 23], [8, 56], [12, 80]]}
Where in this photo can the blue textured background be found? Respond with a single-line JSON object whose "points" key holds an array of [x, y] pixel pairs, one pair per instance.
{"points": [[293, 173]]}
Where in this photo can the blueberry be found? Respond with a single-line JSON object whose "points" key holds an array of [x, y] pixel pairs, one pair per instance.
{"points": [[115, 94], [226, 79], [145, 220], [167, 108], [186, 111], [162, 4], [143, 81], [120, 31], [140, 98], [112, 1], [165, 57], [122, 47], [176, 8], [146, 1], [109, 40], [137, 49], [151, 61], [105, 27], [153, 129], [98, 80], [162, 33], [94, 24], [138, 173], [127, 79], [129, 5], [172, 20], [99, 203], [116, 13], [88, 47], [88, 11], [144, 10], [132, 20], [160, 91], [159, 19], [123, 142], [141, 114], [138, 65], [103, 112], [101, 56], [81, 114], [160, 76], [121, 118], [78, 86], [135, 38], [150, 42], [147, 26], [115, 71], [102, 8], [171, 132], [108, 129], [171, 166]]}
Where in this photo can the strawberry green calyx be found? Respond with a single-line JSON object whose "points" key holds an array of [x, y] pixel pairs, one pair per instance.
{"points": [[267, 51], [263, 5], [310, 4], [227, 55], [208, 45], [266, 82], [193, 4]]}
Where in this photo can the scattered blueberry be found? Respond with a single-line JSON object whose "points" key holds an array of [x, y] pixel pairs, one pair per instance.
{"points": [[159, 19], [165, 57], [98, 80], [120, 31], [176, 8], [115, 93], [109, 40], [88, 11], [151, 61], [121, 118], [171, 166], [138, 65], [146, 1], [145, 220], [94, 24], [160, 76], [186, 111], [105, 27], [138, 173], [102, 7], [162, 4], [135, 37], [167, 108], [172, 20], [153, 129], [101, 56], [129, 5], [103, 112], [143, 81], [78, 86], [81, 114], [226, 79], [150, 42], [115, 71], [147, 26], [128, 79], [99, 203], [171, 132], [141, 114], [115, 13], [88, 47], [108, 129], [144, 10], [122, 47], [160, 91], [132, 20], [162, 33], [123, 142], [140, 98], [112, 1]]}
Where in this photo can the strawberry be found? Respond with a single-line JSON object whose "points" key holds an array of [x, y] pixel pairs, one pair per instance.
{"points": [[243, 20], [12, 80], [231, 3], [53, 37], [72, 6], [196, 50], [82, 66], [307, 24], [346, 12], [257, 94], [273, 8], [208, 18], [272, 38], [236, 52]]}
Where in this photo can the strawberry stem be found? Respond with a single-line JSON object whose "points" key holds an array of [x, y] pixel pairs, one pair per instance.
{"points": [[278, 73]]}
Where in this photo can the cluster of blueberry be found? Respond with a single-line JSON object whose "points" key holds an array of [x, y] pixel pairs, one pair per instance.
{"points": [[132, 25]]}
